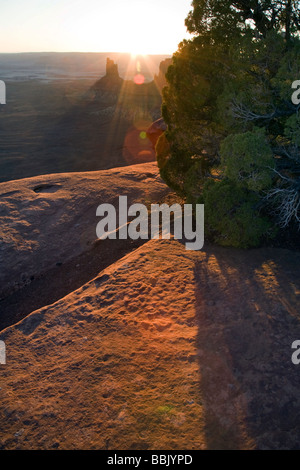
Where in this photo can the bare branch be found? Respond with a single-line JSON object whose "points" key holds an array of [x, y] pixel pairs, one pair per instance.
{"points": [[286, 202]]}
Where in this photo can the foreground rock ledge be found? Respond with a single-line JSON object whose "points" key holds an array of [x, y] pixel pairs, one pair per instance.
{"points": [[165, 349], [50, 219]]}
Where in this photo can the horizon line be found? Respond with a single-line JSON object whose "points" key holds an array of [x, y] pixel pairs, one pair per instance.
{"points": [[87, 52]]}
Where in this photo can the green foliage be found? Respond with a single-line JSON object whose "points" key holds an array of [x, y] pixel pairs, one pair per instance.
{"points": [[233, 131], [292, 129], [162, 150], [214, 17], [192, 181], [247, 158], [232, 216]]}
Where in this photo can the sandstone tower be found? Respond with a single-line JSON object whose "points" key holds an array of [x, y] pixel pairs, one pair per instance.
{"points": [[111, 68]]}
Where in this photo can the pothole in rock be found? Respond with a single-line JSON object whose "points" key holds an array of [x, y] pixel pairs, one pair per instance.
{"points": [[47, 188]]}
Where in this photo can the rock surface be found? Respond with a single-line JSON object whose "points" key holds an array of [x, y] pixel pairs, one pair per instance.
{"points": [[164, 349], [49, 219], [156, 129]]}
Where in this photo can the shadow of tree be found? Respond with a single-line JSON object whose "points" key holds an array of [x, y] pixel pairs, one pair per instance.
{"points": [[247, 309]]}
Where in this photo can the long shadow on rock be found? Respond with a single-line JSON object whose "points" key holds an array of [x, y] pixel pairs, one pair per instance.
{"points": [[248, 317]]}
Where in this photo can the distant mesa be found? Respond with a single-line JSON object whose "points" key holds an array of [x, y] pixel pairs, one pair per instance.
{"points": [[111, 83], [130, 97], [111, 69], [134, 103]]}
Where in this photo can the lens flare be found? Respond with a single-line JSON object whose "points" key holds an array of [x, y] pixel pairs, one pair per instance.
{"points": [[137, 147], [139, 79]]}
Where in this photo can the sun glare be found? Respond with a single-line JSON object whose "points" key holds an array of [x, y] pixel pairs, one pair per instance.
{"points": [[138, 30], [135, 54], [138, 27]]}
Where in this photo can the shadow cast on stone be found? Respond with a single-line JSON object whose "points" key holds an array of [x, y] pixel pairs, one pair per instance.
{"points": [[246, 311]]}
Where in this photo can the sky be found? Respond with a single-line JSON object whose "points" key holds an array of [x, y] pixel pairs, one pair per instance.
{"points": [[135, 26]]}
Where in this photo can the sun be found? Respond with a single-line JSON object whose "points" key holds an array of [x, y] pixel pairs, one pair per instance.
{"points": [[137, 30], [134, 27], [135, 54]]}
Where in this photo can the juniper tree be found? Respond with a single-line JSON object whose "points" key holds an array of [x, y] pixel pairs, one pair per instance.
{"points": [[232, 125]]}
